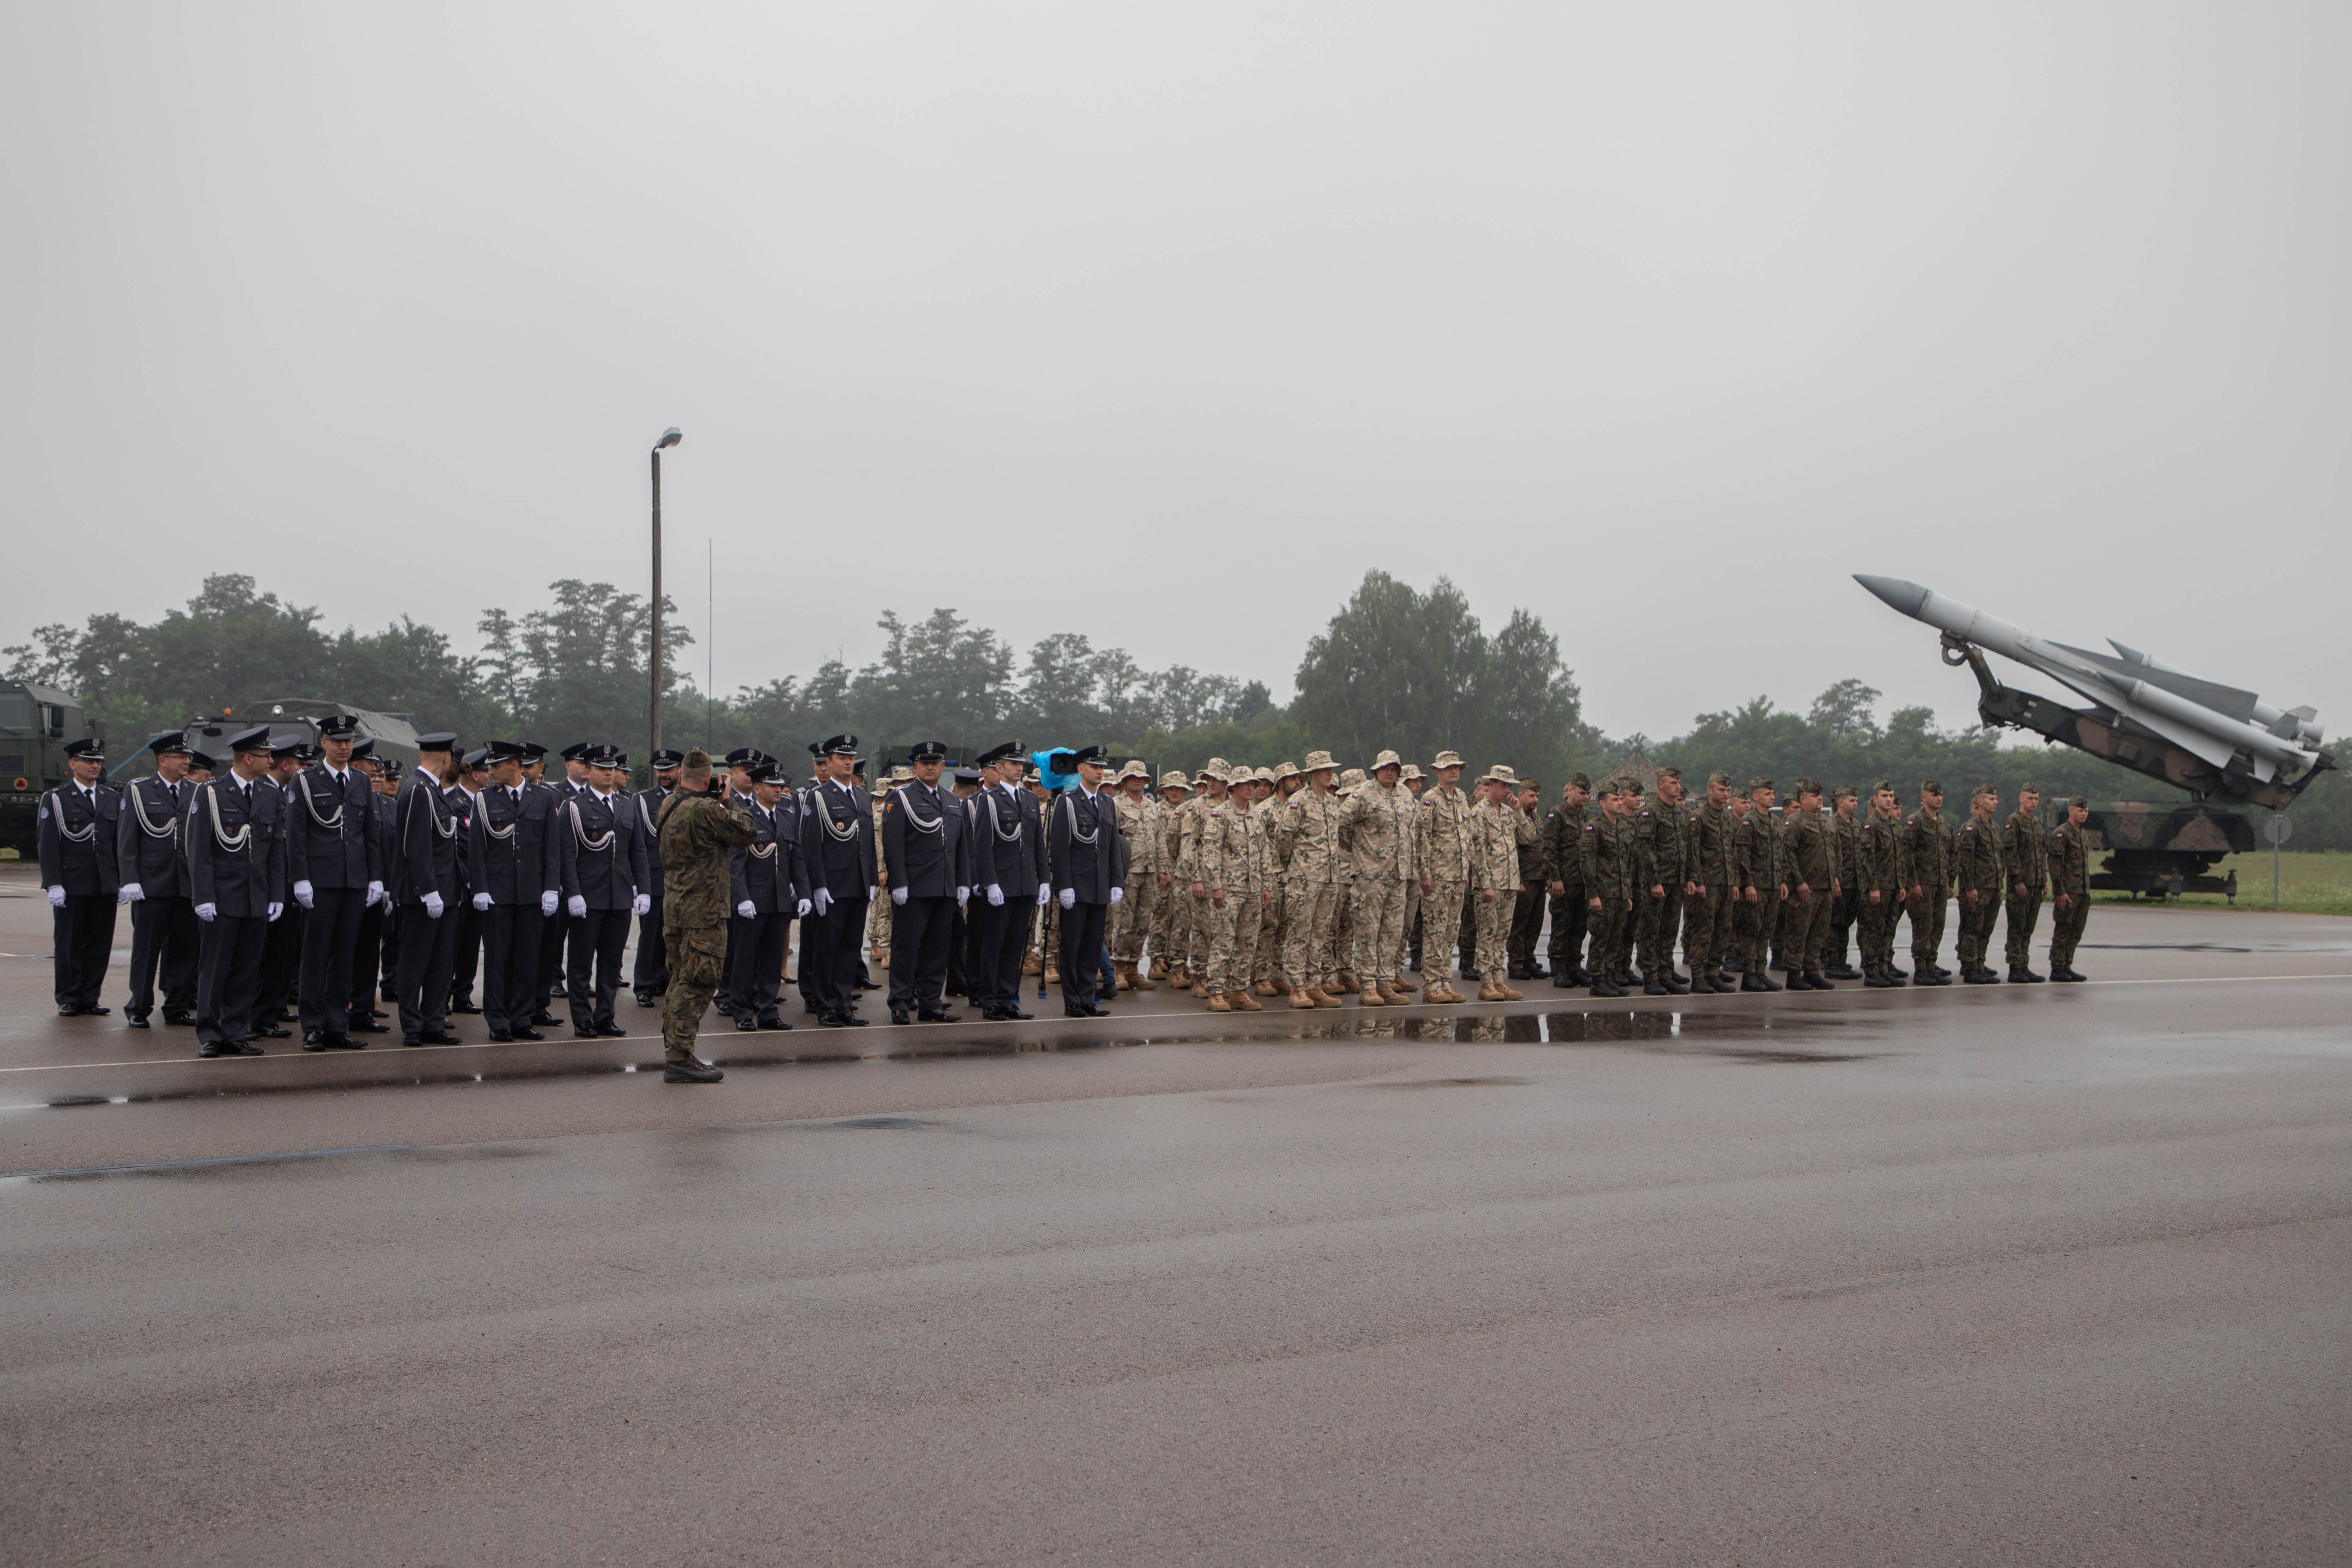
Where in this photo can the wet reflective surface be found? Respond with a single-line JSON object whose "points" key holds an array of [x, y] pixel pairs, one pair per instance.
{"points": [[2001, 1274]]}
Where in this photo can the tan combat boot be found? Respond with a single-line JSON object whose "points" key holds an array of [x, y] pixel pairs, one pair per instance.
{"points": [[1511, 994], [1218, 1004], [1400, 983], [1179, 977], [1322, 998], [1158, 969], [1266, 988], [1348, 983], [1137, 979], [1031, 965], [1243, 1001], [1443, 991], [1490, 991], [1200, 988], [1300, 999], [1370, 996], [1389, 994]]}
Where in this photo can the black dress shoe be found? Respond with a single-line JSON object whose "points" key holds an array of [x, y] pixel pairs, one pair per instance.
{"points": [[773, 1024], [645, 998], [690, 1069], [612, 1031], [900, 1015], [1014, 1015], [209, 1051], [502, 1036], [440, 1037], [316, 1040], [529, 1035], [1081, 1010], [178, 1020], [133, 1021], [240, 1048], [747, 1025], [544, 1017], [406, 1039], [584, 1034], [940, 1018], [464, 1007], [367, 1025], [868, 985], [852, 1020], [272, 1032], [67, 1010]]}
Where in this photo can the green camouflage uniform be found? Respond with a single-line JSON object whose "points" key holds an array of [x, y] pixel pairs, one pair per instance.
{"points": [[1976, 863], [1660, 834], [2070, 873], [1928, 846], [1881, 865], [2026, 854], [1812, 865], [1528, 902], [1562, 853], [696, 833], [1708, 933], [1847, 907], [1607, 855], [1762, 865]]}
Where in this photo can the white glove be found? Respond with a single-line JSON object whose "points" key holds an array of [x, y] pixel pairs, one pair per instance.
{"points": [[277, 909], [374, 895], [208, 913], [578, 904], [433, 905], [57, 896], [547, 902], [643, 904], [129, 894], [1069, 897], [1117, 894], [872, 892], [747, 908], [481, 900], [897, 895], [962, 894], [995, 896], [1045, 891], [303, 895], [803, 911], [823, 899]]}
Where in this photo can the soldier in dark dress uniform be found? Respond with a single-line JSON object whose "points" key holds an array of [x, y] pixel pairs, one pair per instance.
{"points": [[515, 867], [1088, 855], [466, 960], [77, 829], [767, 892], [425, 893], [376, 961], [281, 945], [651, 976], [603, 887], [924, 851], [1008, 880], [837, 853], [960, 929], [235, 875], [337, 860], [150, 863], [570, 783]]}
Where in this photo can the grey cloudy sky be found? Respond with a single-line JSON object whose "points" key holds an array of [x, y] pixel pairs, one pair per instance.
{"points": [[1163, 324]]}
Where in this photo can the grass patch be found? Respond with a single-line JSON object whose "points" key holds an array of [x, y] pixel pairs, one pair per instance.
{"points": [[2309, 884]]}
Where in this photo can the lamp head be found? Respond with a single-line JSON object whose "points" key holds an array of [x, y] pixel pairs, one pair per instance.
{"points": [[669, 437]]}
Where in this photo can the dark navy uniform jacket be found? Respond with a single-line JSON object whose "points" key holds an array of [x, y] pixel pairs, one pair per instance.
{"points": [[649, 804], [837, 839], [237, 846], [603, 850], [1087, 850], [77, 838], [331, 835], [923, 841], [767, 871], [511, 850], [1008, 841], [425, 845], [147, 845]]}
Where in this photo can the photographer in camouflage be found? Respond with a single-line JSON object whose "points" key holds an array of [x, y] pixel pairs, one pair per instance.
{"points": [[697, 824]]}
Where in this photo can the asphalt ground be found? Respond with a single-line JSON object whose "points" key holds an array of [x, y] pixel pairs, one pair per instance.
{"points": [[2000, 1274]]}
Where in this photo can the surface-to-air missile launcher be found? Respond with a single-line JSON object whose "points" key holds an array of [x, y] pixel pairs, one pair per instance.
{"points": [[35, 722], [395, 734]]}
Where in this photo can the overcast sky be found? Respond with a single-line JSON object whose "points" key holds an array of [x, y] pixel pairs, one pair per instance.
{"points": [[1164, 325]]}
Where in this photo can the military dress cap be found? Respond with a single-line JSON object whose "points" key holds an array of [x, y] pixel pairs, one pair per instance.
{"points": [[338, 726], [1411, 771], [667, 758], [1317, 763], [995, 754], [287, 745], [843, 746], [1174, 779], [447, 741], [1758, 782], [817, 750], [927, 751], [575, 752], [531, 748], [1133, 768], [604, 757], [1668, 771], [967, 777], [1502, 773], [363, 750], [740, 757], [507, 751], [1098, 756], [1446, 760], [87, 750], [1719, 778], [253, 739], [198, 759], [1388, 760], [174, 741], [768, 771], [478, 759]]}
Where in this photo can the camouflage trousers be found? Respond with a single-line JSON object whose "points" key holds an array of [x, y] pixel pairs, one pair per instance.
{"points": [[1878, 931], [1611, 938], [1927, 925], [1494, 918], [695, 954], [1526, 925], [1379, 906], [1339, 950], [1408, 924], [1569, 921], [2066, 930], [1307, 908], [1233, 940], [1809, 931], [1271, 925], [1199, 934], [878, 924], [1976, 921], [1168, 924], [2024, 914], [1759, 923], [1440, 916], [1661, 922], [1707, 931], [1843, 910], [1132, 918]]}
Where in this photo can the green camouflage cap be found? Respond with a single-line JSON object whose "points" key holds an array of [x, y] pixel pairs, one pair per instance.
{"points": [[1845, 792], [2029, 788], [1578, 780], [1984, 789], [2081, 801], [1929, 786], [1886, 784], [1719, 778], [1758, 782], [1668, 771], [1809, 786]]}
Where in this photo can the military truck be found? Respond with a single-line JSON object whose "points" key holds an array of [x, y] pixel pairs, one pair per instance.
{"points": [[2164, 848], [35, 722], [395, 734]]}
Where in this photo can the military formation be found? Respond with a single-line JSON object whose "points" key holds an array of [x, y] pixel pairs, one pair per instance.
{"points": [[289, 886]]}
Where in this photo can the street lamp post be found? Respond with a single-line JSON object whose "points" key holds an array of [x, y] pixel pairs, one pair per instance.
{"points": [[671, 437]]}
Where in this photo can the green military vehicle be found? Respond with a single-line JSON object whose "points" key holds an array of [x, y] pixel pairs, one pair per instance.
{"points": [[395, 734], [35, 722], [2164, 848]]}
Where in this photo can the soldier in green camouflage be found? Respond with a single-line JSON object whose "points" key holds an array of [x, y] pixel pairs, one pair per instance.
{"points": [[1661, 880], [2025, 858], [1927, 847], [1763, 883], [1812, 886], [2070, 882], [1844, 834], [1709, 923], [1976, 866], [697, 828], [1606, 850], [1882, 876], [1563, 862]]}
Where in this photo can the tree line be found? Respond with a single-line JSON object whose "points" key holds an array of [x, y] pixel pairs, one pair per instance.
{"points": [[1394, 667]]}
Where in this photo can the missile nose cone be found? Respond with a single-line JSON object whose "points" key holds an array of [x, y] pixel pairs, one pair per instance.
{"points": [[1895, 593]]}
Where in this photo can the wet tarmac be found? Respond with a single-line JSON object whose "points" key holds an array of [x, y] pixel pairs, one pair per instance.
{"points": [[1994, 1275]]}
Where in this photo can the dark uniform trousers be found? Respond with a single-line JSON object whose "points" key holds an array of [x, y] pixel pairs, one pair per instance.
{"points": [[390, 944], [228, 976], [832, 945], [921, 934], [1844, 910], [367, 951], [510, 934], [1002, 940], [165, 935], [1927, 925], [465, 963], [1708, 933], [82, 938], [2024, 914], [1569, 928], [1662, 922], [1878, 929], [1526, 923], [282, 961], [651, 976], [1609, 936], [1082, 946], [593, 968], [755, 951], [958, 953], [330, 940], [427, 949], [551, 970]]}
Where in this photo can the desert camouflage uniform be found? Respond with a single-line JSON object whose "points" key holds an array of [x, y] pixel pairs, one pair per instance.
{"points": [[1442, 851], [1230, 854], [1139, 906], [1376, 827], [1267, 964], [1494, 864], [1171, 923], [1309, 829], [2026, 853], [696, 833]]}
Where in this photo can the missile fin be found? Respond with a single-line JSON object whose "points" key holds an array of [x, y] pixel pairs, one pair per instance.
{"points": [[2230, 701]]}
